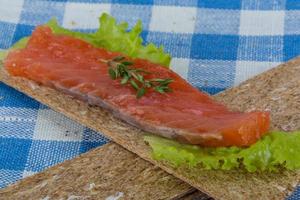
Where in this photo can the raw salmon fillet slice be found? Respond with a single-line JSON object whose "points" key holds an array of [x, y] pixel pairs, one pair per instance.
{"points": [[185, 114]]}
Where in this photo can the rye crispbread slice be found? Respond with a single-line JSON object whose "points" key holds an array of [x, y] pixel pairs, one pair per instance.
{"points": [[104, 172]]}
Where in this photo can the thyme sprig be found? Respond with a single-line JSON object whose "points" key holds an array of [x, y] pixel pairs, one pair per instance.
{"points": [[119, 68]]}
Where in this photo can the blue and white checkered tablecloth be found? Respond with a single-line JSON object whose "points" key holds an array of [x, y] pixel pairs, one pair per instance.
{"points": [[215, 44]]}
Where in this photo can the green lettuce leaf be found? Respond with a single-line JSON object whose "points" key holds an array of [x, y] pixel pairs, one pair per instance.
{"points": [[115, 37], [274, 151]]}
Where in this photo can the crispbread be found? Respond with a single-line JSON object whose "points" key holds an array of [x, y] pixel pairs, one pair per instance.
{"points": [[101, 173], [234, 184]]}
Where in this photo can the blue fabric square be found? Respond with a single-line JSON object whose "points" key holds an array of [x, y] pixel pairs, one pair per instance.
{"points": [[178, 44], [217, 21], [9, 176], [132, 13], [221, 4], [176, 2], [91, 139], [211, 90], [13, 98], [292, 5], [263, 5], [84, 30], [295, 195], [87, 146], [214, 47], [17, 122], [261, 48], [22, 30], [144, 35], [292, 22], [92, 136], [87, 1], [44, 154], [291, 46], [210, 75], [59, 0], [14, 153], [40, 12], [17, 127], [5, 34], [145, 2]]}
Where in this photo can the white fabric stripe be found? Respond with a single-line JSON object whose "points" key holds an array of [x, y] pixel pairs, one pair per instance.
{"points": [[180, 66], [78, 14], [173, 19], [261, 23], [248, 69], [55, 126], [10, 10]]}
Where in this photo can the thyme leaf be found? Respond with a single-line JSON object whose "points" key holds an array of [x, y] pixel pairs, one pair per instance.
{"points": [[120, 68]]}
